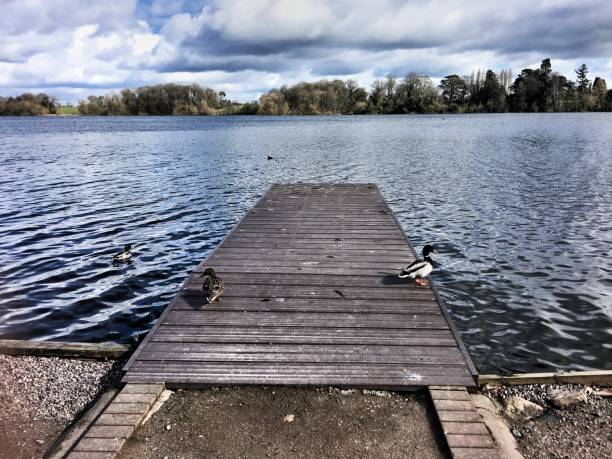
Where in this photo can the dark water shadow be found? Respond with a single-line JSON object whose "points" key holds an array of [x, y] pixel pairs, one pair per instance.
{"points": [[395, 280], [195, 302]]}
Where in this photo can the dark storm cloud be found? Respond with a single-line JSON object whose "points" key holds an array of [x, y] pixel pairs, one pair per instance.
{"points": [[512, 28], [337, 66], [565, 32]]}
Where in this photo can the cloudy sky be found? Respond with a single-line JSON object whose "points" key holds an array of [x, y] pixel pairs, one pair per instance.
{"points": [[73, 48]]}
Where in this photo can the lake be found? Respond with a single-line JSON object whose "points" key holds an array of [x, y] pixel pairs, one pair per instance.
{"points": [[519, 205]]}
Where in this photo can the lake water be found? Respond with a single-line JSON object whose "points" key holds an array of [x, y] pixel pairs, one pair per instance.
{"points": [[519, 205]]}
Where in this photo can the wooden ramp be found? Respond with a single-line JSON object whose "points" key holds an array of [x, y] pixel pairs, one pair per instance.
{"points": [[311, 298]]}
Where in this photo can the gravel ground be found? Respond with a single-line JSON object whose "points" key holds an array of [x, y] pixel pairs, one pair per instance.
{"points": [[40, 396], [259, 422], [581, 431]]}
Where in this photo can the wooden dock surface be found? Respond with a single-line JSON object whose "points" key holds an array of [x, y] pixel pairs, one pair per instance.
{"points": [[311, 297]]}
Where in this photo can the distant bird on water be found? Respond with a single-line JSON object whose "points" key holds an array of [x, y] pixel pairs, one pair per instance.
{"points": [[421, 268], [125, 255], [270, 157], [212, 286]]}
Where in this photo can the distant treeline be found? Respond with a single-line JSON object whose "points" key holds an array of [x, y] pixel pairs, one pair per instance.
{"points": [[28, 104], [164, 99], [533, 90]]}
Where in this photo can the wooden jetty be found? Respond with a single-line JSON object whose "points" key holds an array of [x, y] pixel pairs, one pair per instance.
{"points": [[311, 298]]}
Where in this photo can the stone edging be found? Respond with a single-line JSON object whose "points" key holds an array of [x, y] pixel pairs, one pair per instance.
{"points": [[105, 438], [64, 444], [600, 377], [466, 434]]}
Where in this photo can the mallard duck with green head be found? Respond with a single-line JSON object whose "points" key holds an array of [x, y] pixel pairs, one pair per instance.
{"points": [[212, 286], [421, 267], [125, 255]]}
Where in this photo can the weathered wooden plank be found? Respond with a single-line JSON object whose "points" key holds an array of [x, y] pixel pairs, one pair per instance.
{"points": [[305, 331], [295, 338], [326, 198], [295, 319], [333, 218], [379, 239], [248, 230], [344, 349], [306, 226], [272, 260], [376, 281], [291, 375], [295, 354], [303, 335], [278, 212], [290, 291], [341, 257], [342, 210], [406, 373], [274, 358], [315, 245], [239, 267], [292, 260], [283, 234], [181, 379], [362, 253], [309, 305]]}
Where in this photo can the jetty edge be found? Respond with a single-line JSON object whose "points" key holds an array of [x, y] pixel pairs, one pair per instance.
{"points": [[311, 298], [103, 351]]}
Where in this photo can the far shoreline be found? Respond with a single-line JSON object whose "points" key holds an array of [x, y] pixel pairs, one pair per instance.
{"points": [[291, 115]]}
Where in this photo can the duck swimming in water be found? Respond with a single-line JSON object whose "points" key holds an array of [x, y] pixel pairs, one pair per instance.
{"points": [[213, 286], [126, 255], [421, 268]]}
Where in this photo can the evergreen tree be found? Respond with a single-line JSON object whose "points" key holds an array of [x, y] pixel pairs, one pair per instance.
{"points": [[582, 85], [493, 95], [545, 99]]}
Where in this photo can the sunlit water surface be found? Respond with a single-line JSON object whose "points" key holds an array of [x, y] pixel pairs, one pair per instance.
{"points": [[519, 205]]}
